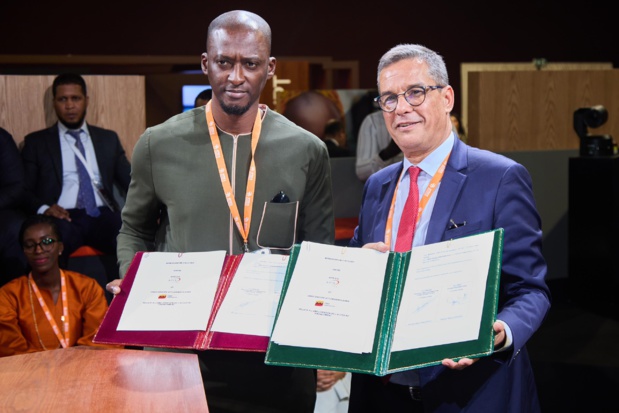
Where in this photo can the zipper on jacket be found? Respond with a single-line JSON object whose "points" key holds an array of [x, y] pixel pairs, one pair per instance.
{"points": [[235, 139]]}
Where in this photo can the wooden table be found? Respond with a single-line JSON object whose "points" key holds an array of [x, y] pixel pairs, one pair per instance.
{"points": [[86, 379]]}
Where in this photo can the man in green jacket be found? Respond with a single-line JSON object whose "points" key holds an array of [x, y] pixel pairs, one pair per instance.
{"points": [[232, 175]]}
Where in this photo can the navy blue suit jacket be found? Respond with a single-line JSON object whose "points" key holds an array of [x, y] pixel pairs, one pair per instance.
{"points": [[12, 173], [42, 161], [487, 191]]}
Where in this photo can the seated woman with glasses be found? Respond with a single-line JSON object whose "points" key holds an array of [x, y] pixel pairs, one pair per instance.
{"points": [[48, 308]]}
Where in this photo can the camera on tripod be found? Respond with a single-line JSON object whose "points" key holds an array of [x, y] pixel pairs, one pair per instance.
{"points": [[596, 145]]}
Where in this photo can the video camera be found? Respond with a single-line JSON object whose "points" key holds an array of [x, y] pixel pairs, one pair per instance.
{"points": [[597, 145]]}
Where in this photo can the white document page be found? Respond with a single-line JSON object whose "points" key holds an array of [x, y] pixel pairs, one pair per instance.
{"points": [[250, 305], [443, 295], [173, 291], [333, 299]]}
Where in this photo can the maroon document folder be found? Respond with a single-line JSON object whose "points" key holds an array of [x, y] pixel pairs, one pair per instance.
{"points": [[194, 339]]}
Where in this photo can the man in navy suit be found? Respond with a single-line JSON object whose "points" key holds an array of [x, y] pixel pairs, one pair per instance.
{"points": [[51, 165], [462, 191], [12, 259]]}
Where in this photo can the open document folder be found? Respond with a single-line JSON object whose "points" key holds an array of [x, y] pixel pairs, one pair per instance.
{"points": [[199, 300], [359, 310]]}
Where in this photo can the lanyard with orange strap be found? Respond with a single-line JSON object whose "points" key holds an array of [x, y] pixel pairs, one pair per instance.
{"points": [[436, 179], [63, 338], [225, 178]]}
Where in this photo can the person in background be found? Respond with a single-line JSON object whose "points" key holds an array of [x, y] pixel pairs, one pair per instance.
{"points": [[468, 191], [312, 110], [12, 260], [458, 126], [359, 109], [334, 134], [177, 199], [203, 97], [34, 306], [71, 169], [332, 391], [375, 148]]}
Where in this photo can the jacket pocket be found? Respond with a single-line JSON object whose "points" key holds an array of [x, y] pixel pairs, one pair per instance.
{"points": [[278, 225], [463, 230]]}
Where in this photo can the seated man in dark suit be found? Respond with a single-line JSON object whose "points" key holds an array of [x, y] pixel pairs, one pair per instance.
{"points": [[333, 135], [70, 171], [12, 259]]}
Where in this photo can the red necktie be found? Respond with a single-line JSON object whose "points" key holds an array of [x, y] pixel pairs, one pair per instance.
{"points": [[408, 220]]}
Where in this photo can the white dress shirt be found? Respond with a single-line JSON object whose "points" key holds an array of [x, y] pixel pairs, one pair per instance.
{"points": [[70, 179]]}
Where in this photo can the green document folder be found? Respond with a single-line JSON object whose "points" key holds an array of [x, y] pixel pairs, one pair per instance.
{"points": [[383, 359]]}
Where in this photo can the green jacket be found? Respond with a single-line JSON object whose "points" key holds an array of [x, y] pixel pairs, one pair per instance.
{"points": [[175, 200]]}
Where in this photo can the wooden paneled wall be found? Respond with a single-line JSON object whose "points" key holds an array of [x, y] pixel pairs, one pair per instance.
{"points": [[115, 102], [534, 110], [466, 68]]}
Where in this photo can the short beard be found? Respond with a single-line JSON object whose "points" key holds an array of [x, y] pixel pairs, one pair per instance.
{"points": [[234, 109], [74, 125]]}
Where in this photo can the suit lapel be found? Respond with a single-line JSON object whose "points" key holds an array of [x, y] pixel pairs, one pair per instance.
{"points": [[451, 186], [55, 154], [384, 202], [98, 142], [103, 158]]}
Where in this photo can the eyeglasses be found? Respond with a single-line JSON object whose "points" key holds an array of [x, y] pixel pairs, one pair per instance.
{"points": [[46, 245], [415, 96]]}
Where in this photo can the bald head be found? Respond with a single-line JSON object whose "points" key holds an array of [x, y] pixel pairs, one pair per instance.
{"points": [[312, 111], [240, 20]]}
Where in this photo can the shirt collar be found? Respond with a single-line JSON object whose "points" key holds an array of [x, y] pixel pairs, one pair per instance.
{"points": [[432, 162], [63, 129]]}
